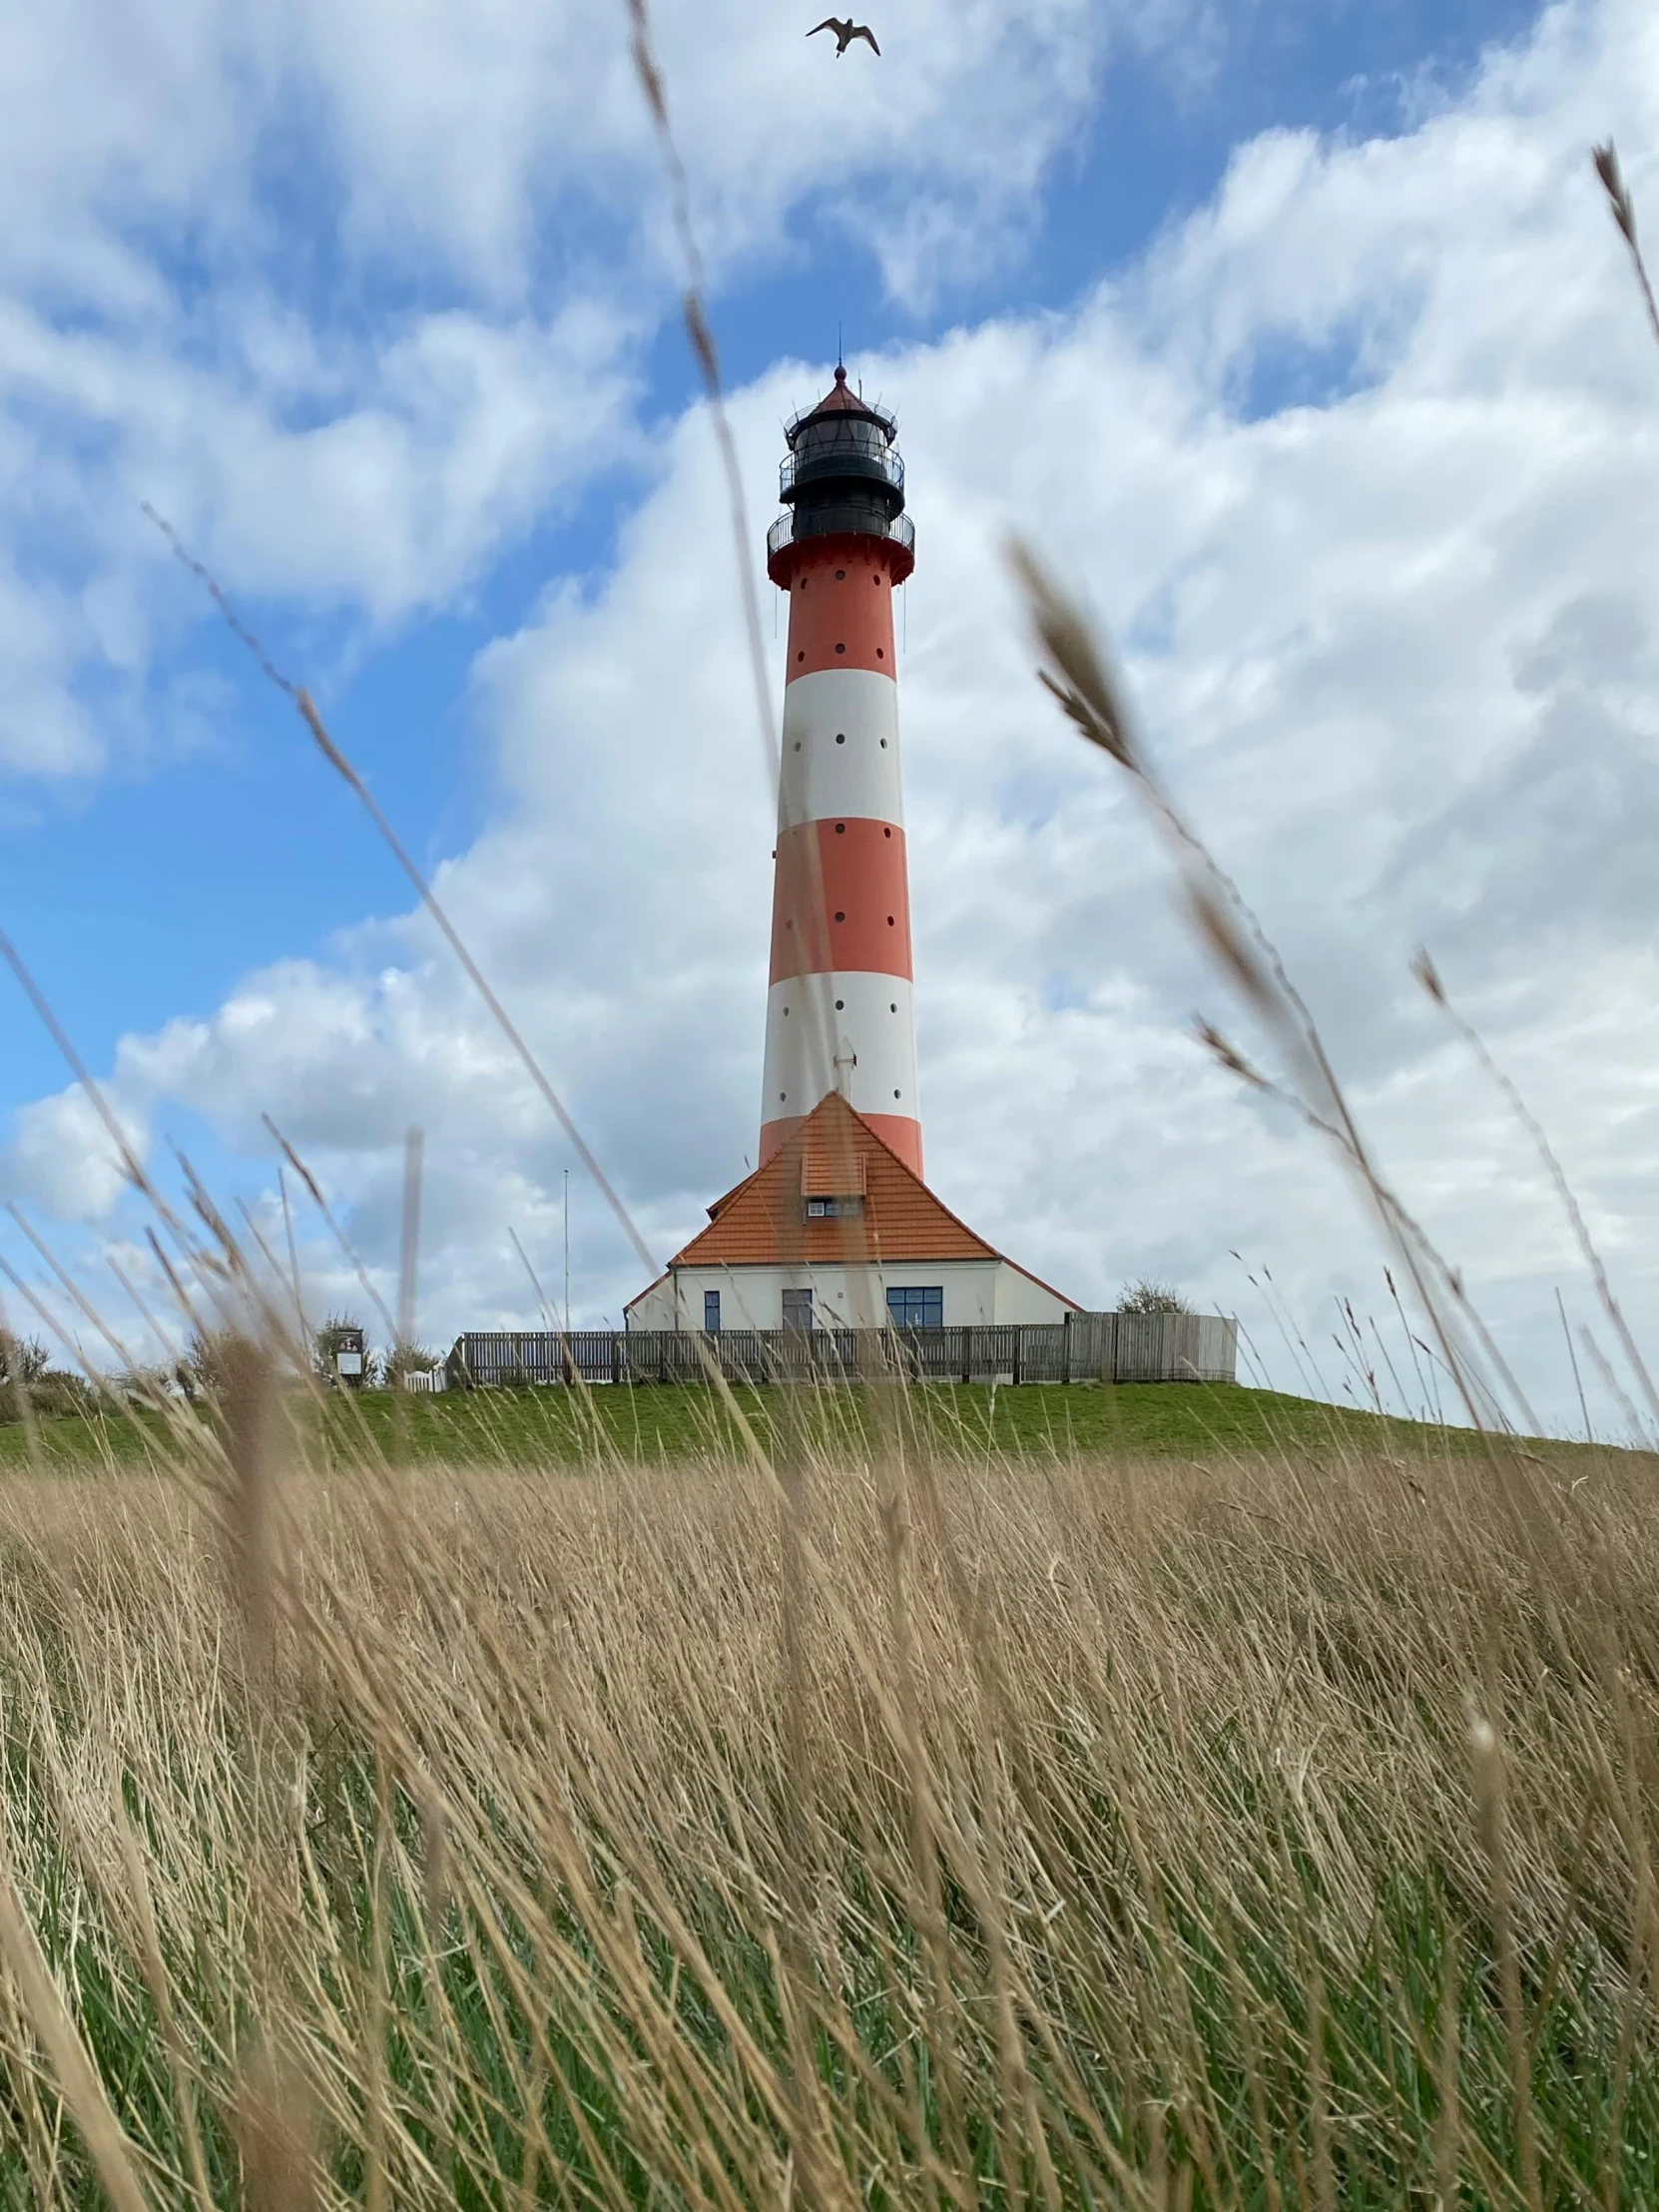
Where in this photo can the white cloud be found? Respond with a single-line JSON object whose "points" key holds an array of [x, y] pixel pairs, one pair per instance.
{"points": [[62, 1157], [374, 480], [441, 136], [286, 271], [482, 118], [1393, 642]]}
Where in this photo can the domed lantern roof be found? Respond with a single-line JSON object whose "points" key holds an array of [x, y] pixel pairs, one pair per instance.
{"points": [[840, 399]]}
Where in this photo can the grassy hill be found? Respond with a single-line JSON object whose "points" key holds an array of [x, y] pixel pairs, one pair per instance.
{"points": [[1200, 1421]]}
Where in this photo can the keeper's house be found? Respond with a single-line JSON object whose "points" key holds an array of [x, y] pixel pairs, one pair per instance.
{"points": [[834, 1230]]}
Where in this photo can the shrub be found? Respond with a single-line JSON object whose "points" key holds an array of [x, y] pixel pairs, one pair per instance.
{"points": [[404, 1359], [22, 1359], [1148, 1297]]}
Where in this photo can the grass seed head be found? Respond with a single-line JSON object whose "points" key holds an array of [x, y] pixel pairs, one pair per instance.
{"points": [[1076, 671], [1618, 195]]}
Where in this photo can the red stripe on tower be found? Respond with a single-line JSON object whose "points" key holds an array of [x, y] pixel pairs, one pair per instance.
{"points": [[838, 1014]]}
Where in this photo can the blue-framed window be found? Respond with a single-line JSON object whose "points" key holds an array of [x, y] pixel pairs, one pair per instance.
{"points": [[797, 1309], [909, 1309], [711, 1311]]}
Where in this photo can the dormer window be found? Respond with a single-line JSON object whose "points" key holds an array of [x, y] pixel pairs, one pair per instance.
{"points": [[834, 1208]]}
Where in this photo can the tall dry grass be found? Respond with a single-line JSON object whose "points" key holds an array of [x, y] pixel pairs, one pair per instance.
{"points": [[1104, 1834]]}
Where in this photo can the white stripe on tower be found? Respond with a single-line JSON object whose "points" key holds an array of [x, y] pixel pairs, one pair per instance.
{"points": [[839, 1011]]}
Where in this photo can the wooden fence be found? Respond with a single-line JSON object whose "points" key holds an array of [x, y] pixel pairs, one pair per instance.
{"points": [[1085, 1347]]}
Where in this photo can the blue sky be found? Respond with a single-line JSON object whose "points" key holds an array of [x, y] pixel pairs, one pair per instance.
{"points": [[383, 313]]}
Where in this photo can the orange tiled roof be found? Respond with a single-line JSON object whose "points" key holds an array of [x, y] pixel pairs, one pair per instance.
{"points": [[834, 1154]]}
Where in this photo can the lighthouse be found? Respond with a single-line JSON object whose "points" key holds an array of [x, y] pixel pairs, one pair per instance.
{"points": [[839, 1011], [837, 1209]]}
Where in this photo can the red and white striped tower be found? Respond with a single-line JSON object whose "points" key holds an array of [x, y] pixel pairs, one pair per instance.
{"points": [[838, 1013]]}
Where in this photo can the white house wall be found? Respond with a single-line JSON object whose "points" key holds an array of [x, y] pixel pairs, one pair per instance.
{"points": [[1021, 1299], [976, 1291]]}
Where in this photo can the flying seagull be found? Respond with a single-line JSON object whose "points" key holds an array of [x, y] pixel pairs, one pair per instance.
{"points": [[845, 31]]}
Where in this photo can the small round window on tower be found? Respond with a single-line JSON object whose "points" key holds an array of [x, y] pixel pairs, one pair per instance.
{"points": [[841, 576], [842, 649], [841, 829], [841, 918], [841, 739], [887, 833], [880, 652], [892, 1009], [841, 1005]]}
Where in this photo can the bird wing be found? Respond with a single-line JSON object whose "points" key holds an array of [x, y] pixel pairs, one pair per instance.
{"points": [[863, 31], [828, 24]]}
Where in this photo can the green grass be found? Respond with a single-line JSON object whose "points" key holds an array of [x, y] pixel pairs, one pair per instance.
{"points": [[652, 1424]]}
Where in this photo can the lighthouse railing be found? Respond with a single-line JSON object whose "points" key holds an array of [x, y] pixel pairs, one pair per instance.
{"points": [[836, 463], [855, 519]]}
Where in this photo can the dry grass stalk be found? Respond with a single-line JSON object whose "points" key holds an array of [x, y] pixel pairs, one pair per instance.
{"points": [[1448, 2071], [12, 1353], [353, 1257], [652, 84], [408, 1242], [338, 760], [809, 919], [84, 2092], [272, 2138], [130, 1166], [475, 976], [246, 1394], [1075, 667], [1429, 976], [1490, 1793], [1623, 209]]}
